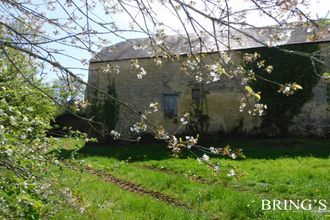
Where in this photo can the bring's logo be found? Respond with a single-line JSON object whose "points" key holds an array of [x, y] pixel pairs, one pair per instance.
{"points": [[294, 205]]}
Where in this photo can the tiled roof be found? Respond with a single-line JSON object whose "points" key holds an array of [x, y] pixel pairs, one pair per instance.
{"points": [[179, 44]]}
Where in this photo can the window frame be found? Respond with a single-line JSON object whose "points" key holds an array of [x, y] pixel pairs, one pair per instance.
{"points": [[168, 114]]}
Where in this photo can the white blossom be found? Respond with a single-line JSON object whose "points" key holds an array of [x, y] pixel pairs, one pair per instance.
{"points": [[225, 57], [198, 78], [269, 69], [115, 134], [242, 106], [205, 157], [214, 150], [286, 90], [214, 76], [244, 81], [231, 173], [173, 144], [158, 61], [138, 127], [154, 106], [184, 118], [192, 64], [141, 73], [12, 120], [190, 141], [9, 152], [216, 168], [30, 109], [259, 109]]}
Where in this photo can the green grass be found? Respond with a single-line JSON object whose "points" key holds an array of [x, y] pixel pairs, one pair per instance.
{"points": [[106, 201], [274, 169]]}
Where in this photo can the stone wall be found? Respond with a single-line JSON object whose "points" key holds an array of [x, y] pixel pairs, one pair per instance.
{"points": [[222, 99], [314, 117]]}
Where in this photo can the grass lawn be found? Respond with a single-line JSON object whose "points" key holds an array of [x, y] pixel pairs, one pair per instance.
{"points": [[145, 182]]}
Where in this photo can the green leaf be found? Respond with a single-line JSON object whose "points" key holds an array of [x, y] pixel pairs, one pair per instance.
{"points": [[249, 90], [258, 96]]}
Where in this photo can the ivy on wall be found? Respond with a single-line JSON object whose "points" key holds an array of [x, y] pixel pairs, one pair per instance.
{"points": [[109, 110], [288, 68], [105, 110], [199, 119], [328, 96]]}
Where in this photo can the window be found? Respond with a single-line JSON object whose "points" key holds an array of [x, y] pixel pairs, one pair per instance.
{"points": [[195, 94], [170, 105]]}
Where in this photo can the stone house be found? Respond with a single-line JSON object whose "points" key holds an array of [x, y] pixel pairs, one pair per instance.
{"points": [[176, 92]]}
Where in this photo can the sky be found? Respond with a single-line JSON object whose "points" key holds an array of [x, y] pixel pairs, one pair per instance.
{"points": [[318, 8]]}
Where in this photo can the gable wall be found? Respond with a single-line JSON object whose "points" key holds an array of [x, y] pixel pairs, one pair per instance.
{"points": [[222, 99]]}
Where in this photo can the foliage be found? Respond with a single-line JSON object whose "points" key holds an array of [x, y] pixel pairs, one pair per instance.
{"points": [[198, 119], [109, 110], [282, 105], [93, 109], [105, 111], [27, 190], [68, 94]]}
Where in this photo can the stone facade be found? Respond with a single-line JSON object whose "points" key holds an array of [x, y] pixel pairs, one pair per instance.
{"points": [[314, 118], [221, 102]]}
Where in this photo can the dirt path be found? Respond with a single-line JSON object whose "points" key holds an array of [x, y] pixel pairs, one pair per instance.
{"points": [[192, 177], [132, 187], [199, 179]]}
